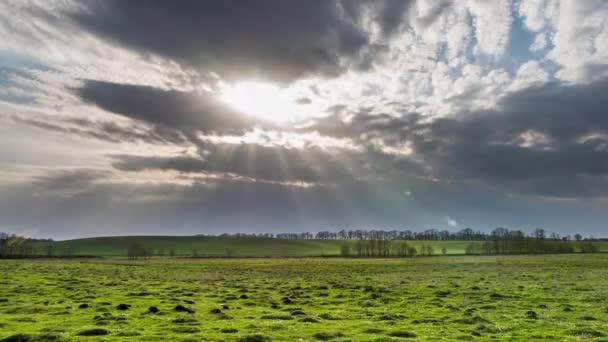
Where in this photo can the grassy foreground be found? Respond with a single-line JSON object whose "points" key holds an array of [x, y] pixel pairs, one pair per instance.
{"points": [[505, 298], [218, 246]]}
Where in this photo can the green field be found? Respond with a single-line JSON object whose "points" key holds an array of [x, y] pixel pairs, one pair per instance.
{"points": [[218, 246], [479, 298]]}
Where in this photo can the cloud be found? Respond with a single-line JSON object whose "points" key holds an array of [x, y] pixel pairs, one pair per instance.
{"points": [[107, 131], [451, 222], [529, 143], [580, 39], [241, 40], [529, 74], [206, 206], [534, 137], [167, 108], [492, 21], [70, 181], [489, 145], [104, 207], [536, 14], [391, 15], [539, 43], [275, 163]]}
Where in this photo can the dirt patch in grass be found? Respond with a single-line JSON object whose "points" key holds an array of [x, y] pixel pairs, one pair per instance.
{"points": [[586, 333], [326, 336], [186, 330], [94, 332], [277, 317], [254, 338], [309, 320], [123, 307], [31, 338], [185, 320], [471, 320], [181, 308], [402, 333]]}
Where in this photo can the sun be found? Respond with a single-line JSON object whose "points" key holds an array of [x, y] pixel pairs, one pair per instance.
{"points": [[263, 100]]}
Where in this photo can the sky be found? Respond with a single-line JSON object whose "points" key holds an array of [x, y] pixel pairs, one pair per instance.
{"points": [[204, 117]]}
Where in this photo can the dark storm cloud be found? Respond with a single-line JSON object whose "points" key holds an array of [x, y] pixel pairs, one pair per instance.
{"points": [[490, 144], [272, 39], [186, 164], [69, 180], [277, 163], [220, 205], [103, 130], [363, 126], [186, 111], [84, 202], [566, 127], [252, 161], [303, 101], [391, 14], [534, 140]]}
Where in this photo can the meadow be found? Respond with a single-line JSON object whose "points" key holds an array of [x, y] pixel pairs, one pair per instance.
{"points": [[216, 246], [443, 298]]}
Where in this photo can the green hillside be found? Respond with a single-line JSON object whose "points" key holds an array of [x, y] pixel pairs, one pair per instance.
{"points": [[213, 246], [217, 246]]}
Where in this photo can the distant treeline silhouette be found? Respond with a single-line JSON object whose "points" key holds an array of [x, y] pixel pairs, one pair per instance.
{"points": [[466, 234], [357, 243], [499, 241], [383, 248], [14, 246], [393, 243], [505, 241]]}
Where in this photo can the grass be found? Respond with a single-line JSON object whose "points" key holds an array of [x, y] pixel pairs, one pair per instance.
{"points": [[217, 246], [506, 298]]}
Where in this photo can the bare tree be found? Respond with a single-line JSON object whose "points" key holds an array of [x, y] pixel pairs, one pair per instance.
{"points": [[228, 252], [539, 233], [345, 249], [50, 249]]}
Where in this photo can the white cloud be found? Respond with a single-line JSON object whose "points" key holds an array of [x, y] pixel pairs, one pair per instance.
{"points": [[539, 43], [40, 33], [529, 74], [580, 39], [537, 13], [451, 222], [492, 21]]}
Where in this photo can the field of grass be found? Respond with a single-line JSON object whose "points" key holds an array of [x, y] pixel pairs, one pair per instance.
{"points": [[505, 298], [218, 246]]}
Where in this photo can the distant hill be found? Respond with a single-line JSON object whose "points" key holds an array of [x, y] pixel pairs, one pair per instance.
{"points": [[213, 246]]}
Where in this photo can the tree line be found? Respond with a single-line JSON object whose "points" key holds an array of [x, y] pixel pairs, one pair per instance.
{"points": [[384, 248], [466, 234], [359, 243], [15, 246], [504, 241]]}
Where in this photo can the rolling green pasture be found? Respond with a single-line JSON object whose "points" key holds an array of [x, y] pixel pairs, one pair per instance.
{"points": [[217, 246], [479, 298]]}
